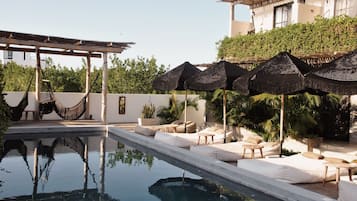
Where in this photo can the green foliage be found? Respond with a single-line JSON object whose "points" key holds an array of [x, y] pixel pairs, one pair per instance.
{"points": [[324, 36], [174, 110], [128, 76], [129, 156], [4, 110], [148, 111], [133, 76]]}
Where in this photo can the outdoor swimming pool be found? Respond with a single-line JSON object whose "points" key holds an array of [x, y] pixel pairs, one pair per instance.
{"points": [[114, 171]]}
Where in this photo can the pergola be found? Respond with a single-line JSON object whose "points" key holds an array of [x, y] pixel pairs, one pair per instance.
{"points": [[252, 3], [23, 42]]}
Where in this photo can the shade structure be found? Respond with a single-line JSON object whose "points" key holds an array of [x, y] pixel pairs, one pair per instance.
{"points": [[220, 76], [339, 76], [175, 80], [283, 74]]}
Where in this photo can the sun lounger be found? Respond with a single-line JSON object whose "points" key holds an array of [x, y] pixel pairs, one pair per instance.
{"points": [[233, 151], [187, 139], [292, 169], [347, 189]]}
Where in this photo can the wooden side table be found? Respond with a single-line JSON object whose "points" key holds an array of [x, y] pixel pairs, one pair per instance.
{"points": [[206, 135], [338, 166], [252, 147]]}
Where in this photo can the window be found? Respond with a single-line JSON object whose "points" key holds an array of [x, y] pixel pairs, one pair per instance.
{"points": [[8, 55], [282, 15], [342, 7]]}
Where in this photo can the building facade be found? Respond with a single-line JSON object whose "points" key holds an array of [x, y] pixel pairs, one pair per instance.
{"points": [[21, 58], [270, 14]]}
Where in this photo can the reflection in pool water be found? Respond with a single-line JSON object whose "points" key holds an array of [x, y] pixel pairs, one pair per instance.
{"points": [[96, 168]]}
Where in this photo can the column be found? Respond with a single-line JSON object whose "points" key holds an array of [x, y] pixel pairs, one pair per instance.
{"points": [[231, 17], [104, 88], [38, 84], [87, 113]]}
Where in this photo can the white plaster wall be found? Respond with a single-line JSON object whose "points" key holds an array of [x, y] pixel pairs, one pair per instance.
{"points": [[134, 105], [354, 100]]}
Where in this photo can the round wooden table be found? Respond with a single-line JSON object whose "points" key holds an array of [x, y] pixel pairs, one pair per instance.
{"points": [[338, 166]]}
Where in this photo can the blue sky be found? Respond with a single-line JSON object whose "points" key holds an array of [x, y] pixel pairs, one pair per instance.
{"points": [[171, 31]]}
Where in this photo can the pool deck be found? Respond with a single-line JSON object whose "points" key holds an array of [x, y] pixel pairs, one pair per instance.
{"points": [[329, 189]]}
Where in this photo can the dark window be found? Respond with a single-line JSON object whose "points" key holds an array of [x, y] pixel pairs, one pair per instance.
{"points": [[9, 54], [282, 15]]}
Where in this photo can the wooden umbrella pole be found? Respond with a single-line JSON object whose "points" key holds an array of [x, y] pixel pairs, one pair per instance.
{"points": [[224, 114], [185, 118], [281, 134]]}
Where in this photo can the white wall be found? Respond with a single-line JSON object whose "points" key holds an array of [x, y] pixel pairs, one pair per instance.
{"points": [[134, 105], [18, 58]]}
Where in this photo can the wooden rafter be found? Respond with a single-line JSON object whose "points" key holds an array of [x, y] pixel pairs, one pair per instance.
{"points": [[40, 41]]}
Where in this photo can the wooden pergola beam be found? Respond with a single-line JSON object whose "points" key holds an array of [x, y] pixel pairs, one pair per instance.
{"points": [[57, 52], [39, 41]]}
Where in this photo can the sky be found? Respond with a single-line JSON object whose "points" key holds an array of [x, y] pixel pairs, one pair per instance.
{"points": [[172, 31]]}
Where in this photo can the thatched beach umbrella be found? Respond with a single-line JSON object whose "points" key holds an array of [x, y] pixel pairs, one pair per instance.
{"points": [[282, 75], [339, 76], [175, 80], [220, 76]]}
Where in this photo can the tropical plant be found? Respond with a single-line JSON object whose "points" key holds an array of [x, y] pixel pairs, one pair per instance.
{"points": [[175, 109], [148, 111]]}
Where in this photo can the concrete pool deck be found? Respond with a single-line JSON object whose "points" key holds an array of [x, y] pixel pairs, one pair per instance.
{"points": [[217, 169]]}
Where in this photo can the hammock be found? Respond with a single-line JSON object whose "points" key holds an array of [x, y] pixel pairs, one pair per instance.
{"points": [[16, 112], [20, 146], [66, 113]]}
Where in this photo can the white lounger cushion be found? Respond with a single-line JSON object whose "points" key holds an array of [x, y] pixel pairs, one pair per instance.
{"points": [[144, 131], [233, 151], [347, 189], [185, 139], [292, 169]]}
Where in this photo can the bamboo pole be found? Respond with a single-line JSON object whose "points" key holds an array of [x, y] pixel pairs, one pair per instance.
{"points": [[104, 88], [87, 113], [85, 165], [185, 109], [35, 171]]}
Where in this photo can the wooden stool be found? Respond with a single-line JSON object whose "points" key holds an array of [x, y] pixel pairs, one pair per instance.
{"points": [[30, 111], [252, 147], [206, 135], [338, 166]]}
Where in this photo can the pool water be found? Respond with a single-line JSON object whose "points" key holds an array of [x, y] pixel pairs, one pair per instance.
{"points": [[109, 170]]}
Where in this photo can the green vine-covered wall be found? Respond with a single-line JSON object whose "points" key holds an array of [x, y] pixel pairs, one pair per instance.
{"points": [[323, 37]]}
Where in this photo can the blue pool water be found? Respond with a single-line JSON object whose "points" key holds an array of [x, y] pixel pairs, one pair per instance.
{"points": [[122, 173]]}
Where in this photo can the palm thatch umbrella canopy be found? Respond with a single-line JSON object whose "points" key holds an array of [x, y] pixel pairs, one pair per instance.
{"points": [[175, 80], [220, 76], [339, 76], [283, 74]]}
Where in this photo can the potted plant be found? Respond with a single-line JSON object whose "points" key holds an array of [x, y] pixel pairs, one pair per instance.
{"points": [[148, 115]]}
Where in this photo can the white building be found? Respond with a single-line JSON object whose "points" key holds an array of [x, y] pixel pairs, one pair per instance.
{"points": [[21, 58], [269, 14]]}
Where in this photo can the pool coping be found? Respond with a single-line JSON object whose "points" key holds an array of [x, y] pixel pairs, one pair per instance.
{"points": [[218, 169]]}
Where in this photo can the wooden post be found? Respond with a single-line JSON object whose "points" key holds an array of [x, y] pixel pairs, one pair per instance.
{"points": [[224, 114], [85, 166], [38, 85], [102, 165], [231, 18], [185, 118], [87, 113], [281, 135], [35, 171], [104, 88]]}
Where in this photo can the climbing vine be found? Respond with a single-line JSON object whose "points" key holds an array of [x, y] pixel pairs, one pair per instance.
{"points": [[323, 37]]}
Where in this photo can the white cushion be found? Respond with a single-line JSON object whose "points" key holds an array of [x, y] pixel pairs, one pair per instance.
{"points": [[144, 131]]}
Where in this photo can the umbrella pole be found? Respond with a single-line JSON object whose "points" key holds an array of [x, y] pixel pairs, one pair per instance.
{"points": [[224, 114], [185, 118], [281, 134]]}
